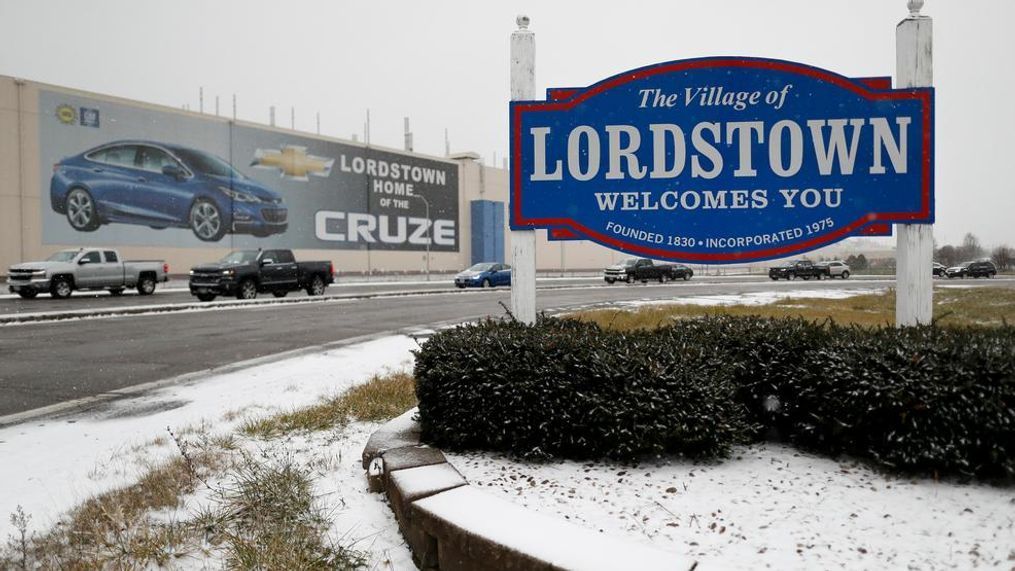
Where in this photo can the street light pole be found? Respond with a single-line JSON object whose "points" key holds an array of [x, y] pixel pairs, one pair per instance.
{"points": [[426, 203]]}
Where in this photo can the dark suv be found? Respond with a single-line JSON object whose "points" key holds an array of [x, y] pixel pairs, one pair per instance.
{"points": [[977, 269]]}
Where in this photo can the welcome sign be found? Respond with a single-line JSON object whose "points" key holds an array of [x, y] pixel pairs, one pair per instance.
{"points": [[723, 160]]}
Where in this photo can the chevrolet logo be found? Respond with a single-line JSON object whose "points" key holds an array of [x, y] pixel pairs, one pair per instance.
{"points": [[293, 162]]}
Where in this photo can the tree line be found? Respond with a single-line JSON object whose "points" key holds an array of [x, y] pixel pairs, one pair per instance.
{"points": [[1003, 256]]}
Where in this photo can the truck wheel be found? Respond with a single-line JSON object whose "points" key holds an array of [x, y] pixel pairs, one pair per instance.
{"points": [[610, 281], [316, 286], [81, 211], [790, 276], [116, 291], [845, 274], [60, 288], [206, 221], [28, 293], [687, 277], [247, 290], [206, 296], [146, 285], [662, 278], [279, 293]]}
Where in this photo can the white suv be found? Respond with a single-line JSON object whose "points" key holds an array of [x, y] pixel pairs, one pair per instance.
{"points": [[838, 268]]}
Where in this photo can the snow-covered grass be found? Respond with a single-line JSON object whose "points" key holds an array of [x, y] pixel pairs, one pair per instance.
{"points": [[751, 298], [952, 306], [50, 467], [769, 506]]}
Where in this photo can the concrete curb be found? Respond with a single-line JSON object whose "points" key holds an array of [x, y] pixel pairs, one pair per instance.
{"points": [[452, 526]]}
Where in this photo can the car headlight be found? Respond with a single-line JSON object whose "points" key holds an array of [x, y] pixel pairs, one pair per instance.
{"points": [[191, 272], [228, 272], [239, 196], [39, 273]]}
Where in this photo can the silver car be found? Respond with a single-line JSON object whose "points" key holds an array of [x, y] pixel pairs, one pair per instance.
{"points": [[837, 269]]}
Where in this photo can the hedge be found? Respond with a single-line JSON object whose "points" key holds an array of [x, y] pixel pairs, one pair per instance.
{"points": [[926, 399]]}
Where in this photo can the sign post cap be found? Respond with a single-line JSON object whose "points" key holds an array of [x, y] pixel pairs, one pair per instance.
{"points": [[914, 8], [523, 21]]}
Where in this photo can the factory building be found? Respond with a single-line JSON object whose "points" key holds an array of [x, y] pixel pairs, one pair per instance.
{"points": [[82, 169]]}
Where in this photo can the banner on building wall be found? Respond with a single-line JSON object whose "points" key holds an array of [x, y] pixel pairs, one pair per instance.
{"points": [[116, 174]]}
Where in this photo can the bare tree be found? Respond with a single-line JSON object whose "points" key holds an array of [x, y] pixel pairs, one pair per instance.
{"points": [[1003, 256], [947, 255], [970, 248]]}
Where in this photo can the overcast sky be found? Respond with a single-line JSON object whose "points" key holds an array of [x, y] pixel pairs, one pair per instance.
{"points": [[444, 64]]}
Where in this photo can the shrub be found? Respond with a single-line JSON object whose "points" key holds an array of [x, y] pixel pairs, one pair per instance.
{"points": [[924, 399], [563, 388]]}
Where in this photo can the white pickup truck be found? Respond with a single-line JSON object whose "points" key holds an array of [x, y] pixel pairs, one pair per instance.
{"points": [[85, 268]]}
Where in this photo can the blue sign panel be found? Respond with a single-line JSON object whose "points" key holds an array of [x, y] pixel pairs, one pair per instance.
{"points": [[723, 160]]}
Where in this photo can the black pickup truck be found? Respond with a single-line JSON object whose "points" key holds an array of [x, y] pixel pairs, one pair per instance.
{"points": [[805, 269], [643, 269], [245, 273]]}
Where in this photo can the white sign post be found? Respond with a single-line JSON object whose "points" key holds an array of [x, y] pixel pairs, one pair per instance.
{"points": [[523, 242], [915, 243]]}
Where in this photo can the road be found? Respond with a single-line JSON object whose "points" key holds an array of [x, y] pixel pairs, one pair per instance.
{"points": [[176, 292], [48, 363]]}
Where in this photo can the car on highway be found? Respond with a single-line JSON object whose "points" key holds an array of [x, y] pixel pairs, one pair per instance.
{"points": [[245, 273], [804, 269], [484, 274], [643, 270], [939, 270], [85, 269], [161, 185], [836, 268], [974, 269]]}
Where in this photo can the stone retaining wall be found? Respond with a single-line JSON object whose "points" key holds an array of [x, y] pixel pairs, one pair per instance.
{"points": [[452, 526]]}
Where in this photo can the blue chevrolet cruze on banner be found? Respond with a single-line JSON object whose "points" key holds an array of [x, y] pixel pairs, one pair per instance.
{"points": [[160, 185]]}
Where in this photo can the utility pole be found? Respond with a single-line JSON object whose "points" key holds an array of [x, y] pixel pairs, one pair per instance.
{"points": [[914, 295], [271, 117], [200, 99], [408, 136], [523, 242], [426, 203]]}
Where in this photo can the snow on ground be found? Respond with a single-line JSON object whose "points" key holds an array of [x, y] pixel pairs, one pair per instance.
{"points": [[50, 466], [769, 506], [753, 298]]}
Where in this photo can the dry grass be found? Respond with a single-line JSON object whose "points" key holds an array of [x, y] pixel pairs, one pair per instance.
{"points": [[952, 306], [267, 518], [115, 530], [264, 517], [380, 398]]}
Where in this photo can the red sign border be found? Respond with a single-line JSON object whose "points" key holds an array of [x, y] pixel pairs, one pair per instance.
{"points": [[861, 87]]}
